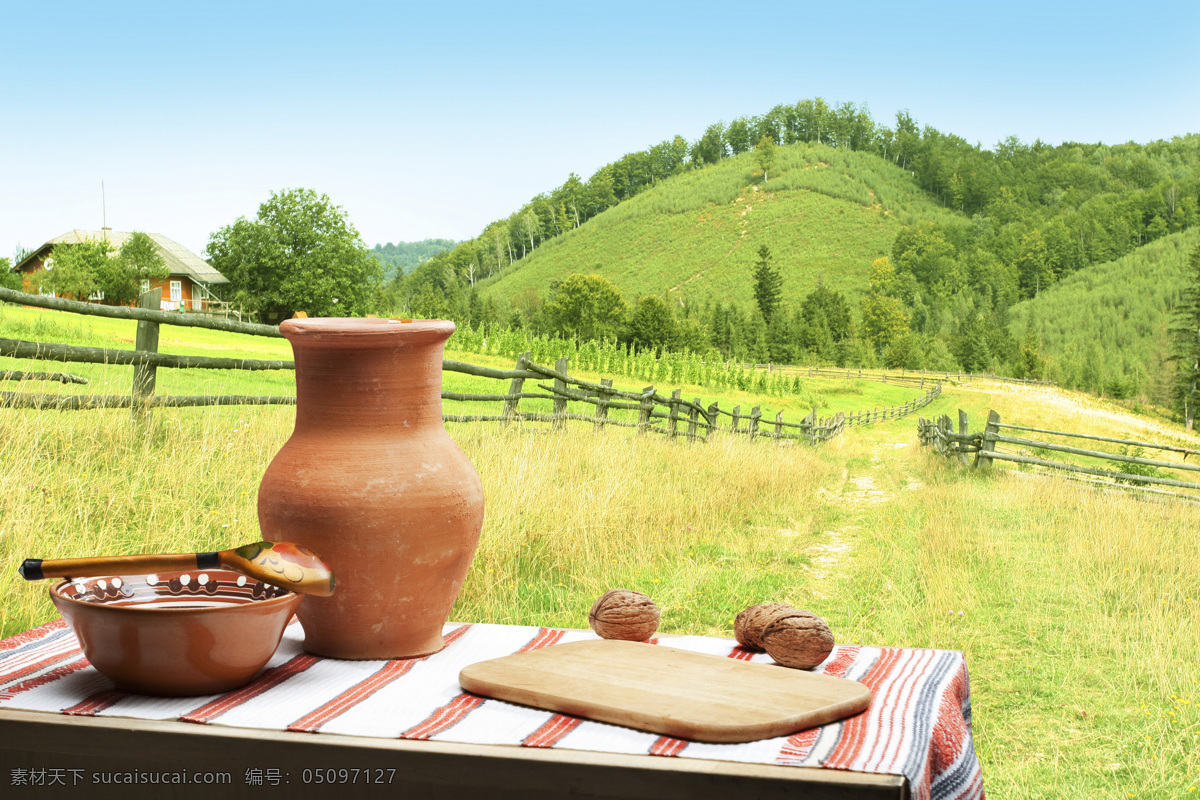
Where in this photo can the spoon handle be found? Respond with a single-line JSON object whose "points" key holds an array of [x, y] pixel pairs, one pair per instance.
{"points": [[35, 569]]}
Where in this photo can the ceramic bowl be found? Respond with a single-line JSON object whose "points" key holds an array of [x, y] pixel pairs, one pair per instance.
{"points": [[176, 633]]}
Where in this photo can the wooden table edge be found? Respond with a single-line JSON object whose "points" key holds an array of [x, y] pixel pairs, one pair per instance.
{"points": [[125, 742]]}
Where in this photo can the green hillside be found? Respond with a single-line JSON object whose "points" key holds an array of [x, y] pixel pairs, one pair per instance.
{"points": [[824, 213], [1104, 329], [813, 234]]}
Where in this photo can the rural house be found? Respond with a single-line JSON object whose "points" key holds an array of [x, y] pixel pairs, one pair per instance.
{"points": [[188, 288]]}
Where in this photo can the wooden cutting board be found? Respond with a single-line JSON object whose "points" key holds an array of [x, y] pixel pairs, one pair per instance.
{"points": [[666, 690]]}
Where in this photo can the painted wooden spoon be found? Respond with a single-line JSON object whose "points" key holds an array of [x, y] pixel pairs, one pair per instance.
{"points": [[282, 564]]}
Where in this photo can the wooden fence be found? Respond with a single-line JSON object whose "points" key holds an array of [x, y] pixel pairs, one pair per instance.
{"points": [[647, 410], [915, 377], [980, 449]]}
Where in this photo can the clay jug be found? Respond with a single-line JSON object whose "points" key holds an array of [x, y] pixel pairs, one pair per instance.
{"points": [[372, 482]]}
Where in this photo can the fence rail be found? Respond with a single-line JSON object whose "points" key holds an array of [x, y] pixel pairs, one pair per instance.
{"points": [[913, 376], [982, 445], [655, 412], [139, 313]]}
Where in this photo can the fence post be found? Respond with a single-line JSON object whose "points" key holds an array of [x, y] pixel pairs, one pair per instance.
{"points": [[673, 418], [963, 430], [145, 375], [711, 416], [990, 431], [778, 425], [602, 402], [736, 416], [755, 415], [560, 402], [647, 405], [514, 389], [693, 418]]}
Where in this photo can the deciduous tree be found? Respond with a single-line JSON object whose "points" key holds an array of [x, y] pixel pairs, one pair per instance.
{"points": [[884, 316], [120, 278], [764, 154], [8, 278], [299, 253], [72, 269], [586, 307]]}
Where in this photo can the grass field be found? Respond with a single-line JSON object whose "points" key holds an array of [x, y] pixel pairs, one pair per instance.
{"points": [[1077, 611]]}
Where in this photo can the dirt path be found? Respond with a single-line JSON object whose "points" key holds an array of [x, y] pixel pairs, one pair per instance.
{"points": [[872, 478]]}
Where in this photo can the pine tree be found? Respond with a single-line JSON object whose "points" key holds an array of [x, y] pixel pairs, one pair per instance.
{"points": [[1031, 356], [1186, 332], [768, 284]]}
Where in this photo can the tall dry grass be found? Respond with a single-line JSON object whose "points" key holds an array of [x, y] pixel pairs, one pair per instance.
{"points": [[96, 483], [702, 528]]}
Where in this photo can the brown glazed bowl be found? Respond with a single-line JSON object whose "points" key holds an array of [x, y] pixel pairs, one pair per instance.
{"points": [[176, 633]]}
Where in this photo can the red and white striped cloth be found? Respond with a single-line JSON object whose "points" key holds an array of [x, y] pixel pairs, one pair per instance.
{"points": [[918, 724]]}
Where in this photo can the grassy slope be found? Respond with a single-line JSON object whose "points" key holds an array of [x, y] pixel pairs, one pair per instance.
{"points": [[823, 212], [1080, 611], [1120, 307]]}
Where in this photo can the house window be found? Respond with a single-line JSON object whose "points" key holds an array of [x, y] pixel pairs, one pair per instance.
{"points": [[145, 285], [176, 291]]}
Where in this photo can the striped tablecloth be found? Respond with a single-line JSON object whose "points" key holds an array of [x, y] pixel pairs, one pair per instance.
{"points": [[918, 724]]}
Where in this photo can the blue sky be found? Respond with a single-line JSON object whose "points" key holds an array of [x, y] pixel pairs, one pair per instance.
{"points": [[432, 122]]}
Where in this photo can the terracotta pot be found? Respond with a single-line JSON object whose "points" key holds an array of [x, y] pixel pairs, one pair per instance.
{"points": [[371, 481]]}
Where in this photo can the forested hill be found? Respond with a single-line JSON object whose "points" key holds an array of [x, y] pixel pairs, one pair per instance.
{"points": [[404, 257], [896, 246], [825, 214], [1105, 329]]}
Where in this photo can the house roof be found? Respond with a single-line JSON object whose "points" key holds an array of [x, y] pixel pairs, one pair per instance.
{"points": [[180, 260]]}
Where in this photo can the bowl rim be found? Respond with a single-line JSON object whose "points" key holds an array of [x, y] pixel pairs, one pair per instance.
{"points": [[141, 608]]}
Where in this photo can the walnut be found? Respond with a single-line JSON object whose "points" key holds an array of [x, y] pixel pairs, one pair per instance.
{"points": [[624, 614], [749, 625], [798, 639]]}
